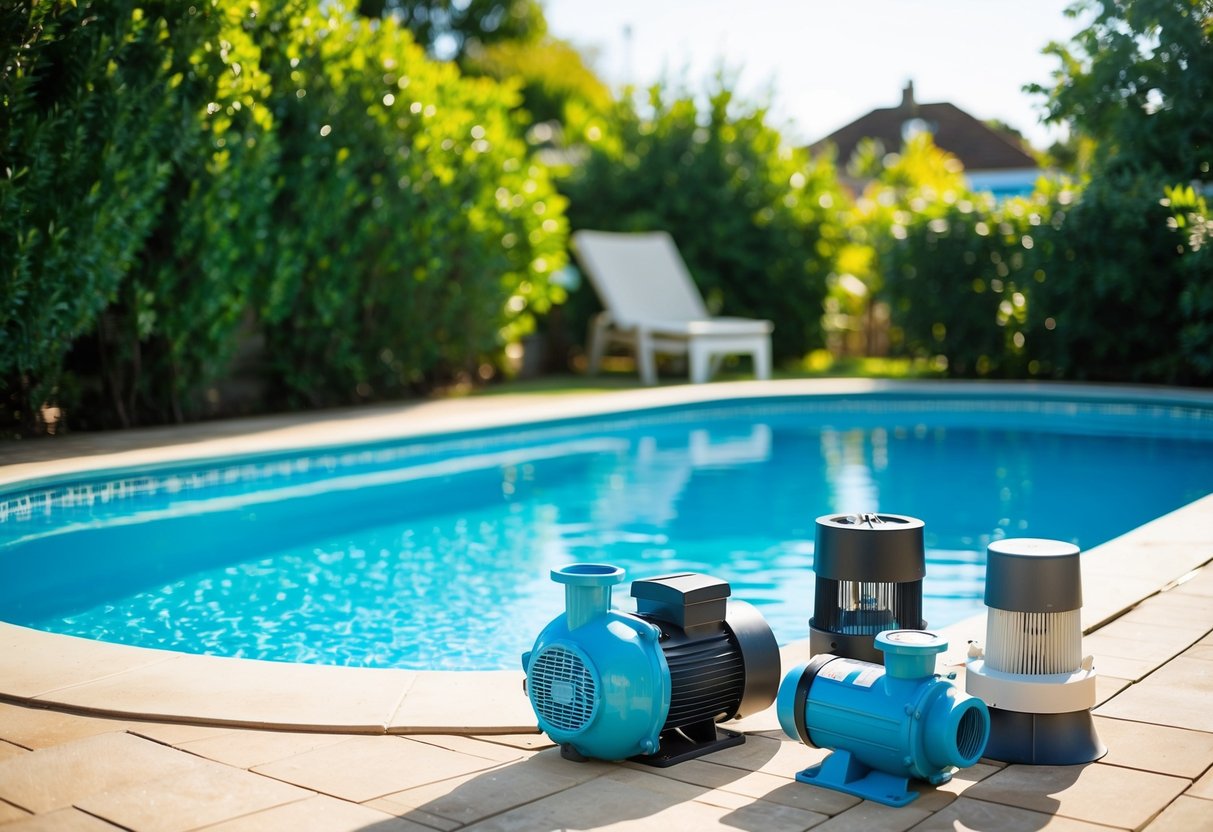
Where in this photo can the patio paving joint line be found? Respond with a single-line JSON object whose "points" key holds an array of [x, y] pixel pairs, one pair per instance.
{"points": [[1170, 587], [92, 680]]}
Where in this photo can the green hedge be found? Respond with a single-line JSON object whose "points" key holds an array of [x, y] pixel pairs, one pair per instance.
{"points": [[95, 110], [182, 179], [413, 235], [174, 325]]}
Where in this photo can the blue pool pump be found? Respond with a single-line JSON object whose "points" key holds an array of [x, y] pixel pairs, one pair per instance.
{"points": [[649, 685], [886, 724]]}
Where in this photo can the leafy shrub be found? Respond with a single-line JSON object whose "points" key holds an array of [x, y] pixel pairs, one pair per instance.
{"points": [[173, 326], [755, 219], [1088, 283], [413, 235], [1193, 223], [948, 263]]}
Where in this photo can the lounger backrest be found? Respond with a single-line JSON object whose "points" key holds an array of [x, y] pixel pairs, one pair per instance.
{"points": [[639, 277]]}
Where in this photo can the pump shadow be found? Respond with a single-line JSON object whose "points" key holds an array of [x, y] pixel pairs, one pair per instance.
{"points": [[747, 787]]}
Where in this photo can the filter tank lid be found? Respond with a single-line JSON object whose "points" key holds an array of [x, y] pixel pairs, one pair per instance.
{"points": [[911, 642], [870, 547], [1031, 574], [588, 574]]}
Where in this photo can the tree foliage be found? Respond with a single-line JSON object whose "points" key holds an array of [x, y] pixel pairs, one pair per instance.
{"points": [[550, 72], [1108, 278], [450, 29], [1139, 81]]}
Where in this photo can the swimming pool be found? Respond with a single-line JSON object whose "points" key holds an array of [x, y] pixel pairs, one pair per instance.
{"points": [[434, 553]]}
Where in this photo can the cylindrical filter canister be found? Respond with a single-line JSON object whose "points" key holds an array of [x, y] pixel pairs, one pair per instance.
{"points": [[885, 724], [1031, 670], [869, 570], [651, 684]]}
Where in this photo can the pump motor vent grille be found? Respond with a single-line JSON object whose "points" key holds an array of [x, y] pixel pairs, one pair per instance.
{"points": [[707, 679], [563, 689]]}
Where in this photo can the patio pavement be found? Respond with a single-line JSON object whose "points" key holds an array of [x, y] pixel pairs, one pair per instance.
{"points": [[64, 766]]}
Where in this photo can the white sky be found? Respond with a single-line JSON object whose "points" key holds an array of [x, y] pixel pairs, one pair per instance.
{"points": [[820, 64]]}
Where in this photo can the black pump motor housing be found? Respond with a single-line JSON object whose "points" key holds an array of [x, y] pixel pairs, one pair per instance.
{"points": [[723, 659]]}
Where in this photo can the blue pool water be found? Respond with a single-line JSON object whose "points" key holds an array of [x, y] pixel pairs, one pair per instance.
{"points": [[435, 553]]}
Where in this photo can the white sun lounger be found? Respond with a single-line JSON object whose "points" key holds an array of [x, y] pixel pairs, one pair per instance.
{"points": [[653, 306]]}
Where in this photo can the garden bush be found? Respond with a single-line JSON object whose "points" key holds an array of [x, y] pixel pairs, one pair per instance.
{"points": [[174, 325], [413, 235], [948, 263], [1117, 293], [1107, 282]]}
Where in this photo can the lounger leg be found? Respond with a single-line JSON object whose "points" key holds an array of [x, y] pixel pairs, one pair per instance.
{"points": [[646, 362], [700, 358], [762, 359], [598, 327]]}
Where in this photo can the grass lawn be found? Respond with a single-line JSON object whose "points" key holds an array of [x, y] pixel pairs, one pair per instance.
{"points": [[619, 373]]}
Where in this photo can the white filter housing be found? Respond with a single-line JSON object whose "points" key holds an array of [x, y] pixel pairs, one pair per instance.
{"points": [[1032, 663], [1031, 670]]}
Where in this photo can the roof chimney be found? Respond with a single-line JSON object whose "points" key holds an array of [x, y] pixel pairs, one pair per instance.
{"points": [[907, 97]]}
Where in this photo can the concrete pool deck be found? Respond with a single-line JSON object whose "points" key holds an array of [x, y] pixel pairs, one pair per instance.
{"points": [[94, 735]]}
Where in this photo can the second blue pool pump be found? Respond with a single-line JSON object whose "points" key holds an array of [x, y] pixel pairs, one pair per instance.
{"points": [[649, 685], [886, 724]]}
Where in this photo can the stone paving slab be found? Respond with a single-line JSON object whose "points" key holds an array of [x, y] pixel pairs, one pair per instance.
{"points": [[35, 728], [56, 777], [364, 768], [1156, 748], [220, 690], [62, 820], [9, 750], [469, 798], [967, 815], [1096, 793], [632, 800], [9, 812], [1203, 787], [873, 817], [26, 673], [246, 748], [196, 798], [1177, 694], [1186, 814], [319, 814]]}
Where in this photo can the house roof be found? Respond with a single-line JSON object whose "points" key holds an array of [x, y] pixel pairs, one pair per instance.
{"points": [[977, 146]]}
